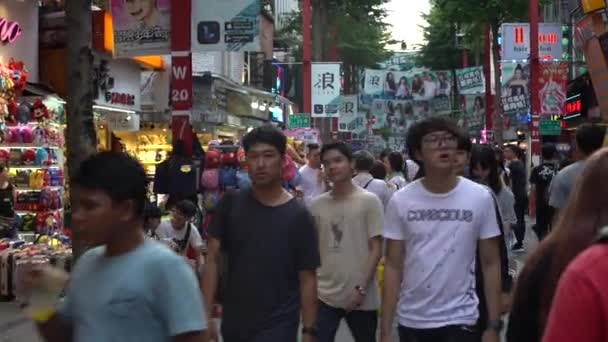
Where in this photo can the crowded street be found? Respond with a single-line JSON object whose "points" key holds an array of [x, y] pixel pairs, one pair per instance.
{"points": [[303, 171]]}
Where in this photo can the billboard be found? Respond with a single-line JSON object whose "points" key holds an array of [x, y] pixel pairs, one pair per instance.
{"points": [[516, 41], [470, 80], [515, 88], [326, 87], [348, 112], [552, 94]]}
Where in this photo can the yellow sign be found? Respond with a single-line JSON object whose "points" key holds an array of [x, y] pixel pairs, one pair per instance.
{"points": [[592, 5]]}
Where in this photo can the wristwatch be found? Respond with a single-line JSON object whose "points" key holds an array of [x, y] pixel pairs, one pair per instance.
{"points": [[496, 325], [361, 290], [311, 331]]}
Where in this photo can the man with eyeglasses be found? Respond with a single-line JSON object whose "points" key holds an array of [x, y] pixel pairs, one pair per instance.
{"points": [[434, 227], [181, 235]]}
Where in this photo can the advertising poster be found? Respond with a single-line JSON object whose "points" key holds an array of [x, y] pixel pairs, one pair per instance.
{"points": [[141, 28], [348, 111], [474, 117], [373, 84], [219, 25], [326, 87], [398, 116], [356, 125], [418, 84], [515, 88], [516, 41], [470, 80], [307, 135], [552, 94]]}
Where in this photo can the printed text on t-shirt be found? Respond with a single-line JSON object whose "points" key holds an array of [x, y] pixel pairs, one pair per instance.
{"points": [[442, 215]]}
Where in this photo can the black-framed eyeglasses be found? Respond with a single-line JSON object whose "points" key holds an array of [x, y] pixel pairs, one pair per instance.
{"points": [[434, 140]]}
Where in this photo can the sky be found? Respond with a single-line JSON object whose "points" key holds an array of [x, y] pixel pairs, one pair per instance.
{"points": [[405, 17]]}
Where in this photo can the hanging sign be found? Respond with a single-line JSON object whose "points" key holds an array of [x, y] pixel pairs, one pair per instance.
{"points": [[552, 95], [516, 41], [326, 98], [9, 30], [470, 80], [298, 121], [348, 111]]}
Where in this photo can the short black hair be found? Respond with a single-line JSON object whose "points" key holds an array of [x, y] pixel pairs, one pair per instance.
{"points": [[385, 153], [464, 143], [340, 147], [549, 151], [590, 138], [312, 147], [187, 208], [118, 175], [266, 134], [427, 126], [151, 211], [364, 161], [396, 161], [378, 170]]}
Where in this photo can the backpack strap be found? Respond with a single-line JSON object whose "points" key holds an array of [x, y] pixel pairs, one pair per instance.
{"points": [[368, 183]]}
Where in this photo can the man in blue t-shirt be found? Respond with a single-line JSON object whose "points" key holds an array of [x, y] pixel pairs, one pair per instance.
{"points": [[125, 288]]}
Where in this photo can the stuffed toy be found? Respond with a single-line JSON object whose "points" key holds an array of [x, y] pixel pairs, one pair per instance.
{"points": [[29, 157], [26, 134], [18, 74], [39, 134], [4, 156], [39, 111], [11, 114], [23, 113]]}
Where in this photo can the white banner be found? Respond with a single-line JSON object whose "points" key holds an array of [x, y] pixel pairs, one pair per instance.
{"points": [[220, 25], [348, 112], [374, 81], [516, 41], [326, 98]]}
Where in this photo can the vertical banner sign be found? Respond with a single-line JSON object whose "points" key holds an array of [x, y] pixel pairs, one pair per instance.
{"points": [[474, 114], [535, 134], [516, 41], [141, 28], [181, 73], [220, 25], [470, 80], [374, 82], [348, 112], [552, 93], [515, 88], [325, 87]]}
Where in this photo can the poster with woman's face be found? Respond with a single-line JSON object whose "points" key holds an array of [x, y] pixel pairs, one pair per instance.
{"points": [[515, 88], [141, 27]]}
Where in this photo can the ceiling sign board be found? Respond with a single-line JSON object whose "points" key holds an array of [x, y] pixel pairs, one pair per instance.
{"points": [[516, 41]]}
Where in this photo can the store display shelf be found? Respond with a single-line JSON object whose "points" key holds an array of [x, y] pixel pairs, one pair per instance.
{"points": [[35, 167], [27, 189], [23, 145], [25, 212]]}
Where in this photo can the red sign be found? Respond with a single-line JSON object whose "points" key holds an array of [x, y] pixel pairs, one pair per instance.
{"points": [[120, 98], [535, 134], [181, 82], [518, 35], [9, 31], [552, 93], [573, 106]]}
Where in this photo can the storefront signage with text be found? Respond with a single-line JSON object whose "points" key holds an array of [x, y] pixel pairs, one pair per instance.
{"points": [[181, 82], [9, 30]]}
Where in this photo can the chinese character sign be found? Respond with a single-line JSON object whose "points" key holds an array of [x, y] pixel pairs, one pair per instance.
{"points": [[326, 86], [219, 25], [141, 28], [515, 88], [470, 80], [474, 117], [552, 94], [348, 111], [516, 41], [374, 82]]}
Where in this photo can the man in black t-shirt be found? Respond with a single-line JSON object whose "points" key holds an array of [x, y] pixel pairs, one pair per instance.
{"points": [[514, 156], [269, 244], [540, 179]]}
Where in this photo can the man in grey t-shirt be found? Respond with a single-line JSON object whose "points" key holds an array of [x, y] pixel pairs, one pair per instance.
{"points": [[589, 138]]}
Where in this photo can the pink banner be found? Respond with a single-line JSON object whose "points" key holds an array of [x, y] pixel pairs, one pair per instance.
{"points": [[552, 94]]}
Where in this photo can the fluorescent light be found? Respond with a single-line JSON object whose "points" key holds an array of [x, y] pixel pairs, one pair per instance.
{"points": [[113, 109]]}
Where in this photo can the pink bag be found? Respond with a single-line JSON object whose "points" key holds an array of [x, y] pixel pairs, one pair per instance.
{"points": [[210, 180]]}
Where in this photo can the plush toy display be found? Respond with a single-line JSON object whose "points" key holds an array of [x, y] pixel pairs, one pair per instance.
{"points": [[18, 74], [39, 111]]}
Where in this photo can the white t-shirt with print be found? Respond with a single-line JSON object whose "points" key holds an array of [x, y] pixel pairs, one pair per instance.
{"points": [[441, 233], [165, 231]]}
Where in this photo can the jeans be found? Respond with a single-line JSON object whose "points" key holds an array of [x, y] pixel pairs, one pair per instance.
{"points": [[362, 324], [521, 205], [453, 333]]}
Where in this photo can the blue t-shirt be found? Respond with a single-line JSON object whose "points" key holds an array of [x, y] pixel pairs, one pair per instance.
{"points": [[150, 294]]}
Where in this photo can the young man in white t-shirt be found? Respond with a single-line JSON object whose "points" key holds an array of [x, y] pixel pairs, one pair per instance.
{"points": [[363, 162], [349, 222], [312, 184], [181, 234], [434, 227]]}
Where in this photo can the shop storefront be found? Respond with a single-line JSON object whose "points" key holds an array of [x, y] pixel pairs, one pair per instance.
{"points": [[32, 144]]}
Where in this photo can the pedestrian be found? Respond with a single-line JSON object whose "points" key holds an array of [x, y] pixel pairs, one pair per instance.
{"points": [[378, 171], [589, 138], [350, 221], [181, 235], [267, 243], [7, 205], [152, 217], [394, 166], [575, 230], [540, 179], [462, 156], [313, 182], [125, 288], [364, 162], [514, 155], [434, 228]]}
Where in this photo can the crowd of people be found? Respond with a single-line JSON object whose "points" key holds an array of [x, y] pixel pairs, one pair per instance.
{"points": [[285, 263]]}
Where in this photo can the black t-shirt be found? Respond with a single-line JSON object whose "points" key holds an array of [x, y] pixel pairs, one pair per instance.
{"points": [[266, 248], [541, 177], [518, 178], [6, 202]]}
